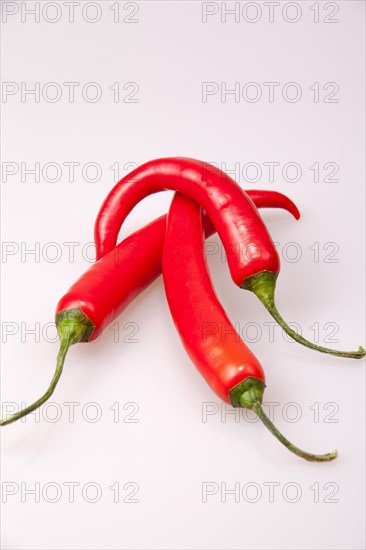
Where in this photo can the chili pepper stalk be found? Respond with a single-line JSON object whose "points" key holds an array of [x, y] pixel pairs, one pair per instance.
{"points": [[263, 285], [73, 326], [249, 395]]}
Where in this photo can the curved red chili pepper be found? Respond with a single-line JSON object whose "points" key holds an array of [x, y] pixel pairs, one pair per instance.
{"points": [[211, 341], [109, 285], [252, 257], [231, 211]]}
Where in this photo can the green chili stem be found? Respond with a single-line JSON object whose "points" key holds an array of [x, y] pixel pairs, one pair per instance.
{"points": [[290, 446], [65, 343], [249, 394], [271, 308], [263, 285], [73, 326]]}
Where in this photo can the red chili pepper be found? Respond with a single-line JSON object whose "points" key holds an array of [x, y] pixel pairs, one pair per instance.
{"points": [[252, 257], [108, 286], [211, 341]]}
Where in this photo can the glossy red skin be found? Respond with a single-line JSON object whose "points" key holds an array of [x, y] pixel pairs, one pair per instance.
{"points": [[109, 285], [207, 334], [248, 245]]}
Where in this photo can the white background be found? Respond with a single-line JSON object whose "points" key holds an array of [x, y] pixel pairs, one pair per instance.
{"points": [[170, 453]]}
